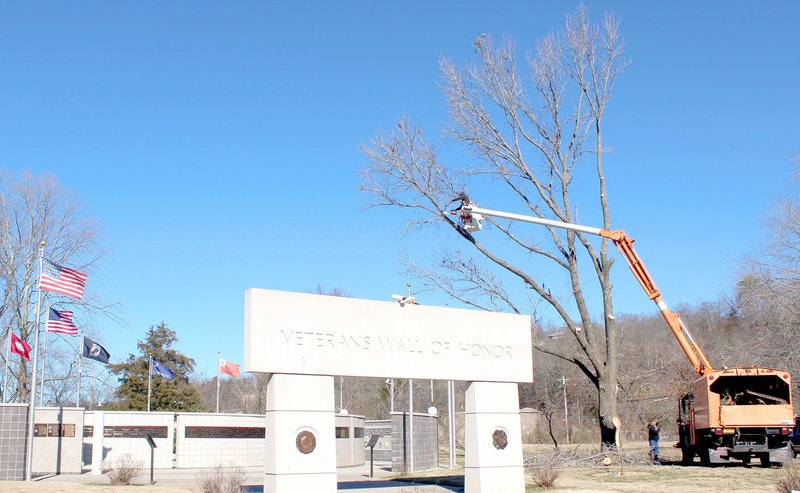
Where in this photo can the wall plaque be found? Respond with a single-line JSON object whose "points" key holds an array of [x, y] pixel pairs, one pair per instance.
{"points": [[306, 442], [500, 439], [68, 430], [225, 432], [135, 431]]}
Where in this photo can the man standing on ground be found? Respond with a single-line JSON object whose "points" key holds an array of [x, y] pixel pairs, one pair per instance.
{"points": [[653, 429]]}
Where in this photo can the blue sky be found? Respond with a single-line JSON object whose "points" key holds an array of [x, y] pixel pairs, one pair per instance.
{"points": [[216, 144]]}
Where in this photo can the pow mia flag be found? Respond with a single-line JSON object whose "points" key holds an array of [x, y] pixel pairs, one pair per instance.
{"points": [[95, 351]]}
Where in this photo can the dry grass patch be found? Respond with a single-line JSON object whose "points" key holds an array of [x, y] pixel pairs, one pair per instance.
{"points": [[789, 480]]}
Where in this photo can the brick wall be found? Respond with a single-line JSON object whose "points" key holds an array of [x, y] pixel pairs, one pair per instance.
{"points": [[383, 448], [426, 442], [13, 443]]}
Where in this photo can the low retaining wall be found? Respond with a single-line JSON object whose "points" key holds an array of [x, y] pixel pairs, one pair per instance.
{"points": [[349, 440], [65, 437], [201, 439], [124, 433], [208, 440]]}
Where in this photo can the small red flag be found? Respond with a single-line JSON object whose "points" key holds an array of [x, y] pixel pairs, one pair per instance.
{"points": [[229, 368], [20, 347]]}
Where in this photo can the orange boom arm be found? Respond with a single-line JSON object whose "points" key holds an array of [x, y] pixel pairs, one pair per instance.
{"points": [[471, 215], [624, 244]]}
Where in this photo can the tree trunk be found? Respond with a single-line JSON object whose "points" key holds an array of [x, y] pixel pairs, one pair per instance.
{"points": [[549, 418], [607, 401]]}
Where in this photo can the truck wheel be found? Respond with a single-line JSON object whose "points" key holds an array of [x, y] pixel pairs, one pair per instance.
{"points": [[687, 456], [705, 456], [764, 458]]}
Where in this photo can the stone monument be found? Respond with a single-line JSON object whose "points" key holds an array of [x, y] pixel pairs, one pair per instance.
{"points": [[304, 340]]}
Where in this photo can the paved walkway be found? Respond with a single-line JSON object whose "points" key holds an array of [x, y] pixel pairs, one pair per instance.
{"points": [[351, 480]]}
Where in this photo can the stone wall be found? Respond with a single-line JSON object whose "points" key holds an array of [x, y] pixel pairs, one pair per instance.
{"points": [[209, 440], [124, 434], [13, 442], [57, 440], [201, 439], [383, 448], [349, 440], [426, 442], [64, 440]]}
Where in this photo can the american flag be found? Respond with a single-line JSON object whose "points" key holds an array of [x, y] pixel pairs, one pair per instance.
{"points": [[61, 321], [62, 280]]}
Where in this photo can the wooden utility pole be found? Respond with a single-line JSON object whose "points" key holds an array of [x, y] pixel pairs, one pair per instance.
{"points": [[566, 411]]}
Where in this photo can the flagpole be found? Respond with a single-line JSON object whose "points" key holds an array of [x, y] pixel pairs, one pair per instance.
{"points": [[44, 357], [8, 357], [149, 381], [80, 360], [32, 398], [218, 375], [93, 401]]}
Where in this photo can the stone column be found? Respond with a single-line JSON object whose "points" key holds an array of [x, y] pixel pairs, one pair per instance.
{"points": [[97, 443], [300, 436], [493, 455]]}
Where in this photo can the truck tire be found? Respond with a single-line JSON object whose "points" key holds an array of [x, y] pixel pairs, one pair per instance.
{"points": [[687, 455], [705, 456], [764, 458]]}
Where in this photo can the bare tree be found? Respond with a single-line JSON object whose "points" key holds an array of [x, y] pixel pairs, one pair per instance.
{"points": [[777, 267], [531, 135], [767, 296], [36, 211]]}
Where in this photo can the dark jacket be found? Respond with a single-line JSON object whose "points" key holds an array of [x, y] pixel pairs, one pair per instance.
{"points": [[652, 432]]}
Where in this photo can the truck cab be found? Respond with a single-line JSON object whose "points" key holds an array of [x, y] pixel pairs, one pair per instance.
{"points": [[796, 435]]}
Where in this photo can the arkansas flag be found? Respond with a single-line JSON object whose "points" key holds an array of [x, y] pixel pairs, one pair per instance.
{"points": [[229, 368], [20, 347]]}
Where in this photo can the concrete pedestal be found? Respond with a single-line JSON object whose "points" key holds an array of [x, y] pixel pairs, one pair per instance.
{"points": [[97, 443], [493, 460], [300, 440]]}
